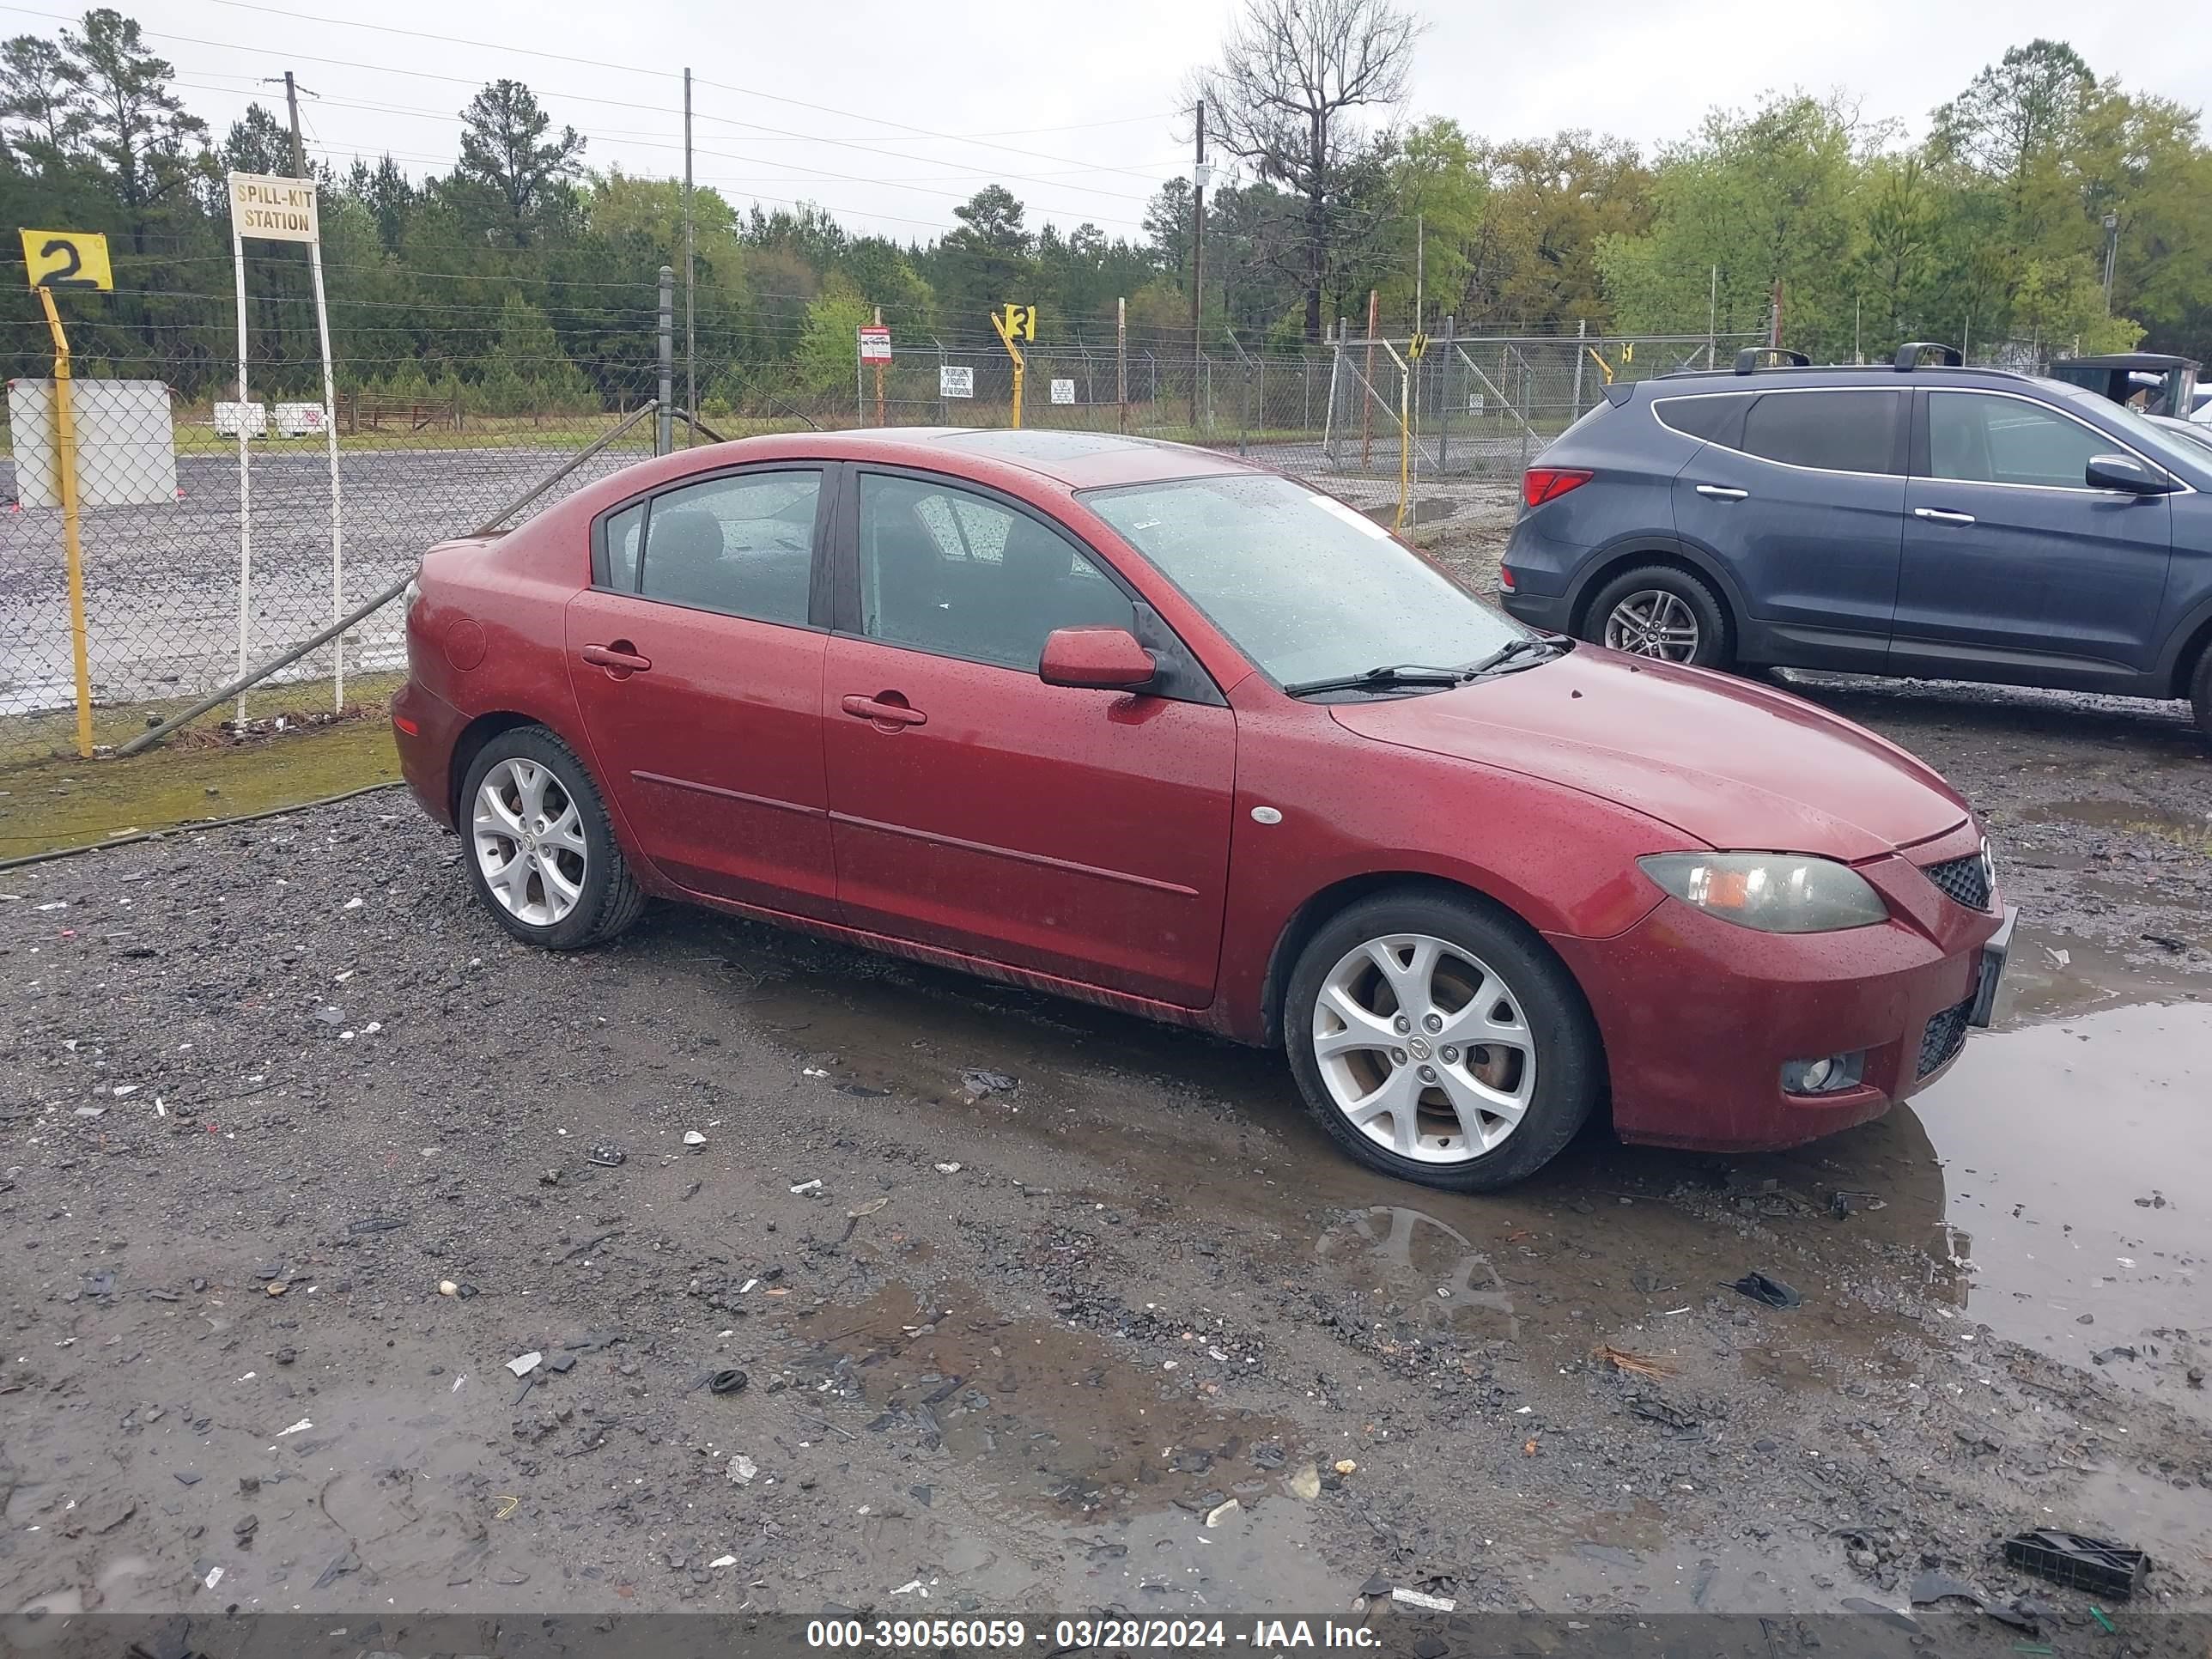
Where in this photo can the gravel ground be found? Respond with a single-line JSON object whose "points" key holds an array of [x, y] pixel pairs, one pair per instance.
{"points": [[1038, 1307]]}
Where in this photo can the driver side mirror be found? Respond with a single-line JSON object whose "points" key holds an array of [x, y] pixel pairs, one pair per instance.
{"points": [[2127, 474], [1101, 659]]}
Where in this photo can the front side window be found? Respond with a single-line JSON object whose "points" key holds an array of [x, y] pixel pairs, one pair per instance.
{"points": [[1976, 437], [1833, 431], [958, 574], [742, 544], [1307, 588]]}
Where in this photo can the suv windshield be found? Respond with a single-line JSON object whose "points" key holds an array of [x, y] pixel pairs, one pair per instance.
{"points": [[1303, 586]]}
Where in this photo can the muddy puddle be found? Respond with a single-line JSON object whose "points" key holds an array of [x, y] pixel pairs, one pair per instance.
{"points": [[1129, 1487], [2144, 817]]}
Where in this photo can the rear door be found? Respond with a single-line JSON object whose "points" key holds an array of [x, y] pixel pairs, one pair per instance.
{"points": [[1079, 833], [1801, 494], [2014, 568], [697, 662]]}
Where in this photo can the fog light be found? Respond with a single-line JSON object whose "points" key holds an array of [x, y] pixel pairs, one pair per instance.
{"points": [[1830, 1074]]}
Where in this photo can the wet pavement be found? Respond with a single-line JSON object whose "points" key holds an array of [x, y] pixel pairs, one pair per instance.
{"points": [[297, 1152]]}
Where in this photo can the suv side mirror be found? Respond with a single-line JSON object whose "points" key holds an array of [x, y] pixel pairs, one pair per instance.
{"points": [[2127, 474], [1101, 659]]}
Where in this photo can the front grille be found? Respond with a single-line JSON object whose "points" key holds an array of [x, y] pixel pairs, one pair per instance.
{"points": [[1964, 881], [1943, 1036]]}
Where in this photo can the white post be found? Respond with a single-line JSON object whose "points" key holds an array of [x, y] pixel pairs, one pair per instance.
{"points": [[330, 437], [245, 480]]}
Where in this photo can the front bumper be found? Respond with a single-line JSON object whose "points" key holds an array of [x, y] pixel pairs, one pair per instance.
{"points": [[1699, 1015]]}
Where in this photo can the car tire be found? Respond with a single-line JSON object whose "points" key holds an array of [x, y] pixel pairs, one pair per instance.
{"points": [[2200, 690], [539, 847], [1655, 603], [1476, 962]]}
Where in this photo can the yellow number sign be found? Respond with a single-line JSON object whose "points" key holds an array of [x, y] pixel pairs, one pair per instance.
{"points": [[67, 258], [1017, 322], [1417, 347]]}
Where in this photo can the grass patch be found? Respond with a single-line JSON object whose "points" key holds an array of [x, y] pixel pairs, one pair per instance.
{"points": [[59, 801]]}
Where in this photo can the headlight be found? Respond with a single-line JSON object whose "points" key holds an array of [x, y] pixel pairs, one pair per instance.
{"points": [[1772, 892]]}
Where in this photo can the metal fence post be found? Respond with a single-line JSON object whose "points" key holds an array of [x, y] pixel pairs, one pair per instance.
{"points": [[1582, 337], [664, 431], [1444, 415]]}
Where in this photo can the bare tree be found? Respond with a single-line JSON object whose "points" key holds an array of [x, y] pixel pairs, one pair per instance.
{"points": [[1290, 72]]}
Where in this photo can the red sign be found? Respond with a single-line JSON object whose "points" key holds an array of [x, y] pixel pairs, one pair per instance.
{"points": [[875, 343]]}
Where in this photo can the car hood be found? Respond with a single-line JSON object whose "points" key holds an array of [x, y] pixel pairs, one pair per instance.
{"points": [[1736, 765]]}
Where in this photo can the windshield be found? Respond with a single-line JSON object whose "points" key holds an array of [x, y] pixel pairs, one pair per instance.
{"points": [[1303, 584]]}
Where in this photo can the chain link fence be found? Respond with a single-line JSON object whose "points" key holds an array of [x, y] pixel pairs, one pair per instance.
{"points": [[192, 570]]}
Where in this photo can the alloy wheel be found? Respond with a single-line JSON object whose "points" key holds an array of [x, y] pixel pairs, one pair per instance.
{"points": [[529, 839], [1423, 1047], [1653, 622]]}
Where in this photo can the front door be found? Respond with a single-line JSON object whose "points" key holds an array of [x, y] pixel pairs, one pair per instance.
{"points": [[1804, 505], [2015, 569], [699, 673], [1083, 834]]}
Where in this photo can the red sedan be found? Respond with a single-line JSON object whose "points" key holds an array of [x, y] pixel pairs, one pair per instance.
{"points": [[1142, 724]]}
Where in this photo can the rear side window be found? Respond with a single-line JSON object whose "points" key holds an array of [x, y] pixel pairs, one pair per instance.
{"points": [[742, 544], [1718, 419], [625, 539], [1834, 431]]}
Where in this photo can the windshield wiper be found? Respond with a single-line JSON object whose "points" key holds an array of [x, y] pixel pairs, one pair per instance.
{"points": [[1507, 652], [1387, 675]]}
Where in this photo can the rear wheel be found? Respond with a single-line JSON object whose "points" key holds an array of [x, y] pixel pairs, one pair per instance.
{"points": [[541, 852], [1661, 613], [1439, 1042]]}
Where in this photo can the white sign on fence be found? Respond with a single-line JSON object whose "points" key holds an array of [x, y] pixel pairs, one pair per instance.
{"points": [[299, 420], [230, 418], [875, 343], [953, 382], [126, 449], [273, 209], [1063, 392]]}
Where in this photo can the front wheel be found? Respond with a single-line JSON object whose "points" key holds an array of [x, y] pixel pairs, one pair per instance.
{"points": [[1439, 1042], [541, 852]]}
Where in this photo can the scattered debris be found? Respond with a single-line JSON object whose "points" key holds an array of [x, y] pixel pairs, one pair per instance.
{"points": [[1417, 1598], [1639, 1364], [723, 1561], [1843, 1203], [1773, 1291], [299, 1427], [743, 1469], [1221, 1512], [446, 1287], [507, 1505], [725, 1381], [1346, 1466], [693, 1137], [870, 1207], [523, 1365], [608, 1156], [340, 1565], [214, 1577], [806, 1187], [948, 1168], [2078, 1563], [1305, 1484], [374, 1224]]}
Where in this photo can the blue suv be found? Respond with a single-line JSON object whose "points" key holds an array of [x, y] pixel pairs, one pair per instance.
{"points": [[1916, 519]]}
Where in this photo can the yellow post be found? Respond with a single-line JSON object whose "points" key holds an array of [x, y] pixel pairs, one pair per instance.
{"points": [[65, 467], [1006, 340], [1405, 446]]}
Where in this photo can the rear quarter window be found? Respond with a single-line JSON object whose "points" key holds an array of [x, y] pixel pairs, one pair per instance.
{"points": [[1717, 418]]}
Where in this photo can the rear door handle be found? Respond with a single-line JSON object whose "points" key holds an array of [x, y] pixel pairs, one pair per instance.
{"points": [[1942, 515], [1723, 492], [622, 657], [885, 713]]}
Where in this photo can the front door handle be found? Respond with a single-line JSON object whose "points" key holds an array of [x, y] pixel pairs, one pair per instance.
{"points": [[882, 712], [1942, 515], [620, 658], [1722, 492]]}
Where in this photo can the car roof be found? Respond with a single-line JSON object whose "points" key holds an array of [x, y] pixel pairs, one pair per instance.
{"points": [[2129, 360], [1079, 460]]}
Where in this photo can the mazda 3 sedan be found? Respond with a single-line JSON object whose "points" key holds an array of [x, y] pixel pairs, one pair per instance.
{"points": [[1144, 725]]}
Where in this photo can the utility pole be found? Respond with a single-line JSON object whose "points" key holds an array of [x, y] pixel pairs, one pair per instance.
{"points": [[690, 339], [664, 432], [300, 165], [2111, 249], [1197, 258]]}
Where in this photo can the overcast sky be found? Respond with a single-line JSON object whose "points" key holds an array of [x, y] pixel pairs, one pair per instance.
{"points": [[1069, 105]]}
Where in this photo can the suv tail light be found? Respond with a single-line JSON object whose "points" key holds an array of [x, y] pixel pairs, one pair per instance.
{"points": [[1539, 484]]}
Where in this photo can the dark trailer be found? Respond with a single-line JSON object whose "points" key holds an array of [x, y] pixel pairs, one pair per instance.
{"points": [[2153, 382]]}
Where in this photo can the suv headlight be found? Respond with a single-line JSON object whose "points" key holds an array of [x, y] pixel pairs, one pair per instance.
{"points": [[1771, 892]]}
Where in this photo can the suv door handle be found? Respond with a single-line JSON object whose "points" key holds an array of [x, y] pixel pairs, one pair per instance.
{"points": [[1723, 492], [884, 714], [620, 658], [1942, 515]]}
